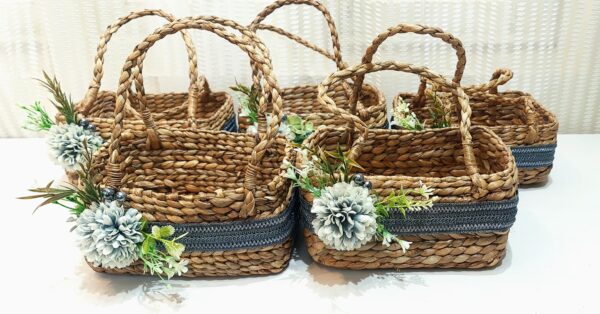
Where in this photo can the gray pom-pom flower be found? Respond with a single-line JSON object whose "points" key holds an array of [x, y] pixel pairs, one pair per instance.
{"points": [[345, 216], [109, 234], [66, 144]]}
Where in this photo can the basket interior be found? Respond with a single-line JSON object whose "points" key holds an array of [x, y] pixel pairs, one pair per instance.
{"points": [[434, 153]]}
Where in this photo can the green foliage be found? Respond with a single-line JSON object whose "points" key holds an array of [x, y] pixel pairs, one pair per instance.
{"points": [[321, 168], [405, 118], [37, 118], [76, 198], [165, 262], [248, 101], [402, 202], [299, 128], [61, 102], [437, 112]]}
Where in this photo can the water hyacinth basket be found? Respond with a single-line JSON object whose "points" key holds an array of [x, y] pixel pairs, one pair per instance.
{"points": [[302, 100], [528, 128], [471, 171], [224, 189]]}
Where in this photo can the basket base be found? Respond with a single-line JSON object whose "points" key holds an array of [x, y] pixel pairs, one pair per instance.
{"points": [[261, 261], [534, 175], [471, 251]]}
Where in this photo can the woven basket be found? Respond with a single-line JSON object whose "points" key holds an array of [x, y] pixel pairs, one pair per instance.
{"points": [[302, 100], [210, 110], [523, 124], [469, 168], [225, 189]]}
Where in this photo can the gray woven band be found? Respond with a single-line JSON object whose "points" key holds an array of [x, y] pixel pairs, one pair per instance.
{"points": [[534, 156], [235, 235], [230, 125], [490, 216]]}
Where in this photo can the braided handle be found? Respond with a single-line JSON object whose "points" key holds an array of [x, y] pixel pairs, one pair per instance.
{"points": [[337, 54], [98, 71], [499, 77], [250, 44], [354, 121], [417, 29]]}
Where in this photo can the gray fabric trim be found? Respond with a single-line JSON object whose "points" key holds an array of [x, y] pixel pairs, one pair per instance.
{"points": [[230, 125], [490, 216], [235, 235], [534, 156]]}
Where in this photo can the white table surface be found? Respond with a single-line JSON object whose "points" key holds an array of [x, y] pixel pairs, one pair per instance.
{"points": [[552, 263]]}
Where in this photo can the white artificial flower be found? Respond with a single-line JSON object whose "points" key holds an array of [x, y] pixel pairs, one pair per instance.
{"points": [[66, 144], [345, 216], [405, 245], [109, 234]]}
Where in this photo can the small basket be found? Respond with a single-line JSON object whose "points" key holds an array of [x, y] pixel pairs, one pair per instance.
{"points": [[225, 189], [302, 100], [517, 118], [523, 124], [471, 171], [210, 110]]}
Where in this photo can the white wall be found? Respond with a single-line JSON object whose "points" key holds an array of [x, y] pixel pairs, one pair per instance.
{"points": [[553, 47]]}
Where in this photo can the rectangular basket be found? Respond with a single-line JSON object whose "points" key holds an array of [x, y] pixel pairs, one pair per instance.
{"points": [[224, 189], [518, 119], [469, 168]]}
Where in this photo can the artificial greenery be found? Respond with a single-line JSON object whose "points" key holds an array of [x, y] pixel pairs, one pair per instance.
{"points": [[437, 111], [323, 172], [405, 118], [75, 198], [61, 101], [248, 101], [321, 168], [37, 118], [298, 128], [158, 262]]}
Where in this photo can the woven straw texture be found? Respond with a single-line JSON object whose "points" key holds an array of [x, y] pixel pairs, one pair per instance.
{"points": [[190, 175], [515, 117], [302, 100], [462, 164], [199, 106]]}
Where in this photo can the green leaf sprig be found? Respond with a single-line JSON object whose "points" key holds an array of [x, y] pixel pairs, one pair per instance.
{"points": [[158, 262], [61, 101], [300, 128], [37, 118], [437, 111], [76, 198], [248, 100]]}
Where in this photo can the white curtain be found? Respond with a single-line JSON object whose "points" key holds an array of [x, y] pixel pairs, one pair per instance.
{"points": [[551, 45]]}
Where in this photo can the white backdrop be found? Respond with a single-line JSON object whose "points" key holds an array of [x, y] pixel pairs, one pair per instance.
{"points": [[553, 46]]}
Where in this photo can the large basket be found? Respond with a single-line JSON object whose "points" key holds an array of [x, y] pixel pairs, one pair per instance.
{"points": [[522, 123], [302, 100], [225, 189], [469, 168], [200, 106]]}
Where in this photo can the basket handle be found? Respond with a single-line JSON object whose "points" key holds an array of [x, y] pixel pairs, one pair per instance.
{"points": [[92, 92], [250, 44], [337, 54], [417, 29], [499, 77], [354, 121]]}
